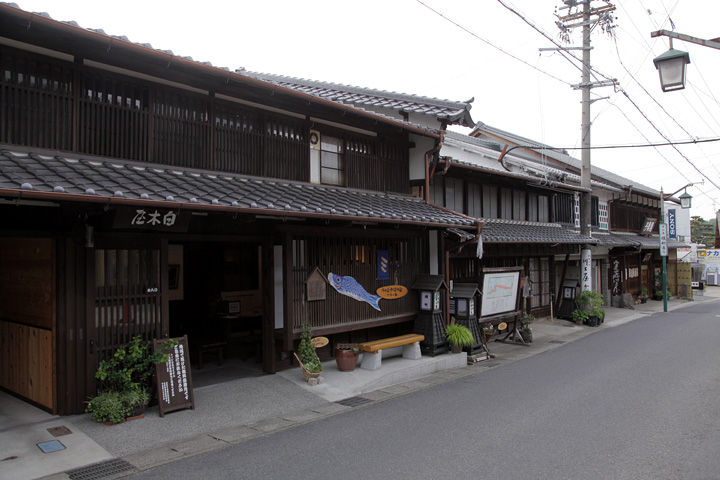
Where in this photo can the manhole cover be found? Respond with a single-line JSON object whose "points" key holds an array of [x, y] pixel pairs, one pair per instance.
{"points": [[354, 401], [51, 446], [59, 431], [102, 470]]}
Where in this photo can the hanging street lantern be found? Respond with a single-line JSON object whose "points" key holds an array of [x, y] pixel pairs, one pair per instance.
{"points": [[671, 66], [685, 200]]}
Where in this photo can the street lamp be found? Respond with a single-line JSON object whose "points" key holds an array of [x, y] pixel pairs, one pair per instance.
{"points": [[685, 202], [671, 64]]}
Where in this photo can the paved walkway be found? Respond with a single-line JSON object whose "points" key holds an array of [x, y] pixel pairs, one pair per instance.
{"points": [[239, 410]]}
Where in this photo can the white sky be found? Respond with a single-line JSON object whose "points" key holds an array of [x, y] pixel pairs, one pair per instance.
{"points": [[402, 46]]}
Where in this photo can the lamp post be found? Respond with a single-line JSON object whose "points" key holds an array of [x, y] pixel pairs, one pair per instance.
{"points": [[685, 203], [672, 64]]}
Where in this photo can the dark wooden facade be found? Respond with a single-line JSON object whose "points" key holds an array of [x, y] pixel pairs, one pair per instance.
{"points": [[51, 104], [484, 195], [110, 284]]}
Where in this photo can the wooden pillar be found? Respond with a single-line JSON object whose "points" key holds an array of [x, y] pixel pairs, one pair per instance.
{"points": [[287, 293], [268, 319]]}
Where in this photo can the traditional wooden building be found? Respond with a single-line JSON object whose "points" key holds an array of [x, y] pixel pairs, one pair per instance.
{"points": [[145, 193], [624, 222], [526, 210], [528, 204]]}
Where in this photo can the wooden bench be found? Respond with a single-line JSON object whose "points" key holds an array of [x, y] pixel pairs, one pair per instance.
{"points": [[372, 351]]}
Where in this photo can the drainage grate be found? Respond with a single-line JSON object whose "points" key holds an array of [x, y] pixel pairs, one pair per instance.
{"points": [[557, 341], [103, 470], [354, 401]]}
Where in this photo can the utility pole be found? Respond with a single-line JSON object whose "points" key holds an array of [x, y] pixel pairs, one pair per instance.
{"points": [[588, 18], [585, 182]]}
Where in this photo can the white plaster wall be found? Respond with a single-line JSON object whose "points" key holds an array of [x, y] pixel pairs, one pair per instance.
{"points": [[424, 120], [417, 156], [682, 220]]}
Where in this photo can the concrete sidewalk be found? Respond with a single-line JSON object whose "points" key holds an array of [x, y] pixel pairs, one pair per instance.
{"points": [[239, 410]]}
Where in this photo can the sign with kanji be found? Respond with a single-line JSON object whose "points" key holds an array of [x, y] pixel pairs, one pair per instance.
{"points": [[174, 381], [663, 240], [151, 218]]}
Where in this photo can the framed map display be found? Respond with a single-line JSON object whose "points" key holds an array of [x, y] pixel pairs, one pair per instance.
{"points": [[499, 292]]}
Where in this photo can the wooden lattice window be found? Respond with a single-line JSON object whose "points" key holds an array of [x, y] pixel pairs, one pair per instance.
{"points": [[540, 287], [127, 298], [35, 101]]}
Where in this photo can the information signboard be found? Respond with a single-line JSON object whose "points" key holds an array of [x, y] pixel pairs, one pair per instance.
{"points": [[174, 380], [663, 240]]}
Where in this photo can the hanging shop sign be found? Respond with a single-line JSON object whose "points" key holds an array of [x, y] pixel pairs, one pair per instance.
{"points": [[151, 218], [392, 292]]}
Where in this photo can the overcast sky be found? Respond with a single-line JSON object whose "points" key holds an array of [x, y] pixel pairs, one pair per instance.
{"points": [[467, 49]]}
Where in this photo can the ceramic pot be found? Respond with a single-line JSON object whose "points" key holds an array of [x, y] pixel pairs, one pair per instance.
{"points": [[526, 336], [346, 359]]}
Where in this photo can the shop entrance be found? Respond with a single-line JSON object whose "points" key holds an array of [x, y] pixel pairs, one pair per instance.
{"points": [[215, 298]]}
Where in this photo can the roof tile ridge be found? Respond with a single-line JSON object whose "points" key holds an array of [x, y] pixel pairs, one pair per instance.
{"points": [[356, 89]]}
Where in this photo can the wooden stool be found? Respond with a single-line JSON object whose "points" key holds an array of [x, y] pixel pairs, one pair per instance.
{"points": [[212, 348]]}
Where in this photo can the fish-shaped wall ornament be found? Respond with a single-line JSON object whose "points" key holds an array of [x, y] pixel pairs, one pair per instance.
{"points": [[350, 287]]}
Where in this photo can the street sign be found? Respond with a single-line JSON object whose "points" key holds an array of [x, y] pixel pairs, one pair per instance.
{"points": [[663, 240]]}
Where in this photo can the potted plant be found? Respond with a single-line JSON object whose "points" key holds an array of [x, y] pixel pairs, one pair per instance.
{"points": [[589, 308], [308, 358], [658, 295], [458, 336], [125, 379], [346, 356], [525, 328], [488, 330], [643, 297]]}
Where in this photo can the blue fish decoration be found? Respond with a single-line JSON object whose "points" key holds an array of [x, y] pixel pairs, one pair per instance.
{"points": [[350, 287]]}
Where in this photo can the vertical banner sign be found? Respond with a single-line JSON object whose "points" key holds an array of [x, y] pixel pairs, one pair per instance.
{"points": [[586, 282], [383, 265], [174, 382], [672, 223], [616, 278], [663, 240]]}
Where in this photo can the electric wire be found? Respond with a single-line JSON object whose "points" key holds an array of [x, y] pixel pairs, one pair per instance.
{"points": [[595, 73], [672, 117], [470, 32]]}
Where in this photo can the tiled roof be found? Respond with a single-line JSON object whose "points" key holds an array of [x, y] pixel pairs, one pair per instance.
{"points": [[90, 179], [496, 230], [455, 112], [519, 167], [563, 157], [626, 239]]}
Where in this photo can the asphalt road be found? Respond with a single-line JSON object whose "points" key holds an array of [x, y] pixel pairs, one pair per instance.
{"points": [[638, 401]]}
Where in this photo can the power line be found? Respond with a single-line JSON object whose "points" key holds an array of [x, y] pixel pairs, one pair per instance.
{"points": [[632, 145], [466, 30]]}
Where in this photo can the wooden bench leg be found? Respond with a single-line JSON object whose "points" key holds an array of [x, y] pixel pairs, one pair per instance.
{"points": [[371, 361], [412, 351]]}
